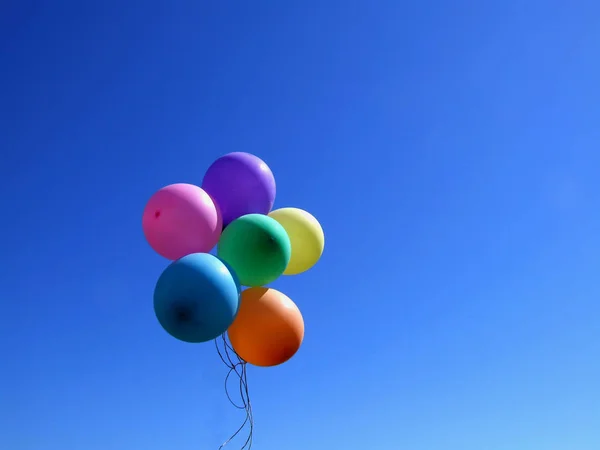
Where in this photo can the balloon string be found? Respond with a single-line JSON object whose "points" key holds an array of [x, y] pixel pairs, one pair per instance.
{"points": [[238, 366]]}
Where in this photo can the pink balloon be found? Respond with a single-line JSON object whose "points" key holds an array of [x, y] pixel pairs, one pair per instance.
{"points": [[181, 219]]}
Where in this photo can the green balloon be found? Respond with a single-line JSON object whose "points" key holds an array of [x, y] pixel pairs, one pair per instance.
{"points": [[257, 247]]}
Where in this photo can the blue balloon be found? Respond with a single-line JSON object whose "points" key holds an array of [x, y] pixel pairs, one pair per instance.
{"points": [[196, 298]]}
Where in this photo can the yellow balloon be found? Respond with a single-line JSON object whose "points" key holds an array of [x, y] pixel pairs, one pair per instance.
{"points": [[306, 237]]}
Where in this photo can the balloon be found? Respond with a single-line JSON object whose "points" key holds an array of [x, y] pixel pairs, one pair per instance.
{"points": [[196, 298], [240, 184], [181, 219], [268, 329], [306, 237], [257, 248]]}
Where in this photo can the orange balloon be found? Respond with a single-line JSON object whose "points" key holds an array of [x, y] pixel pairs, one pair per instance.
{"points": [[268, 329]]}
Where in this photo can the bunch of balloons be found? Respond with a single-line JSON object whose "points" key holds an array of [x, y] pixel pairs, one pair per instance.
{"points": [[199, 296]]}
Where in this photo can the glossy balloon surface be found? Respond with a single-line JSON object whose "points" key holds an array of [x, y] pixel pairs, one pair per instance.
{"points": [[196, 298]]}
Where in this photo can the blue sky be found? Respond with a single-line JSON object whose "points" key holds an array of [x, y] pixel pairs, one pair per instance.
{"points": [[449, 149]]}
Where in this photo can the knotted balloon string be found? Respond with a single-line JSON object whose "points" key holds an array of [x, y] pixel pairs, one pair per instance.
{"points": [[238, 366]]}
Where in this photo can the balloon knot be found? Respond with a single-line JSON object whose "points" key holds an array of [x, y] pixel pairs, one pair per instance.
{"points": [[182, 313]]}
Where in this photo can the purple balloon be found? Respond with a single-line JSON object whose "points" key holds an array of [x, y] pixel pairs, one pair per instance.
{"points": [[240, 184]]}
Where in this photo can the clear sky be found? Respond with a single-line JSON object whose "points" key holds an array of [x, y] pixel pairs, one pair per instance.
{"points": [[449, 149]]}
